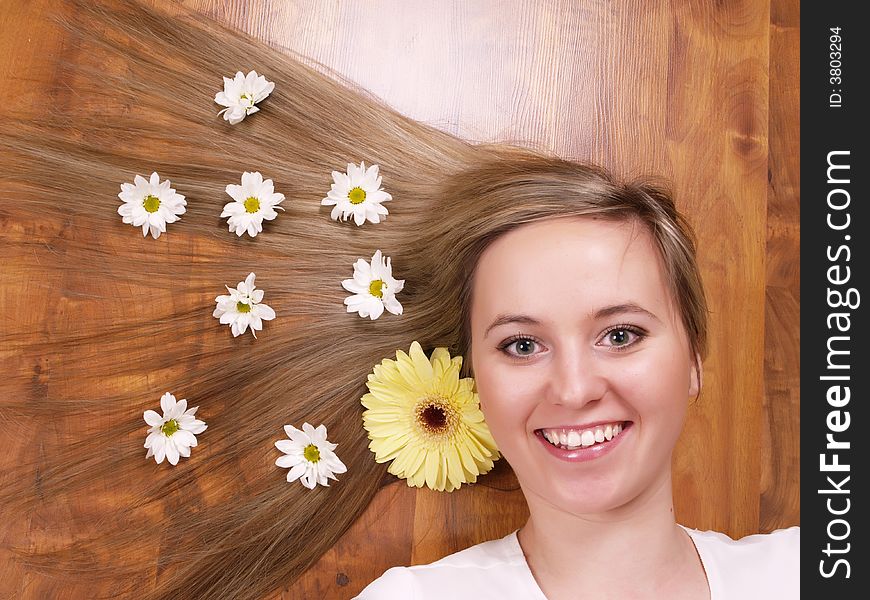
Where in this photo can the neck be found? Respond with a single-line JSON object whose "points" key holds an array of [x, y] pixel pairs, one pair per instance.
{"points": [[634, 547]]}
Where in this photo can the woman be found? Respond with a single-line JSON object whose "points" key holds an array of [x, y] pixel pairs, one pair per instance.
{"points": [[128, 318], [587, 333]]}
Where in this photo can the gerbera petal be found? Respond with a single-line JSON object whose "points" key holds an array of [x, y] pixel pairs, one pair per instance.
{"points": [[441, 455], [431, 467]]}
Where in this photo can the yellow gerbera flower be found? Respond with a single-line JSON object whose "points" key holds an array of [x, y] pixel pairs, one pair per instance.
{"points": [[426, 420]]}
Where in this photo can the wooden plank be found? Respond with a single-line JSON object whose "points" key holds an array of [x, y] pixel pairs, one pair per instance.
{"points": [[780, 497]]}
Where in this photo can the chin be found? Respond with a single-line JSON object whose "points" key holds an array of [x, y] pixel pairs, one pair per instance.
{"points": [[590, 496]]}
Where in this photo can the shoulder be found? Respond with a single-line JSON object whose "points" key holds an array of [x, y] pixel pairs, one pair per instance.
{"points": [[481, 569], [779, 545], [768, 562]]}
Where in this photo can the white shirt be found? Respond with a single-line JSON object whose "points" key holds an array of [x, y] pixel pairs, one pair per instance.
{"points": [[761, 566]]}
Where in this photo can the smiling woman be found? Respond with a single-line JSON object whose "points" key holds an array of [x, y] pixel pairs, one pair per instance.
{"points": [[585, 320]]}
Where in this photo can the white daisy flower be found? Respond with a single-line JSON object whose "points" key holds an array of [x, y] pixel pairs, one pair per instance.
{"points": [[253, 201], [357, 192], [150, 204], [309, 456], [243, 307], [173, 434], [241, 94], [374, 288]]}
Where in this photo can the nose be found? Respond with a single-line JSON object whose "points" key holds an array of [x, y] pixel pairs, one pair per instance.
{"points": [[577, 378]]}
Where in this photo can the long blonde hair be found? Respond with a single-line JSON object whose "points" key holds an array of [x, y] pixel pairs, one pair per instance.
{"points": [[137, 97]]}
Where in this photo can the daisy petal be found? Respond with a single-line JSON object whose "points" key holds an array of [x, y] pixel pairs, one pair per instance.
{"points": [[242, 308], [172, 435], [309, 455]]}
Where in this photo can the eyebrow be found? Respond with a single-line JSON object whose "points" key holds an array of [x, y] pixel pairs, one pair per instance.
{"points": [[602, 313], [628, 307]]}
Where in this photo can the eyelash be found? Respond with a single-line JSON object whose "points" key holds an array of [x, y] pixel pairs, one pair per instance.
{"points": [[639, 334], [514, 339]]}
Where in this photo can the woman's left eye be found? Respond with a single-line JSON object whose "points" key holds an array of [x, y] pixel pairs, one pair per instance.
{"points": [[621, 337]]}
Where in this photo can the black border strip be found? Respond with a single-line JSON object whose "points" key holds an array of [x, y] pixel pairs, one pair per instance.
{"points": [[834, 261]]}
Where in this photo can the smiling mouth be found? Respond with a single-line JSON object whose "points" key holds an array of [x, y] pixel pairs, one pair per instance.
{"points": [[568, 438]]}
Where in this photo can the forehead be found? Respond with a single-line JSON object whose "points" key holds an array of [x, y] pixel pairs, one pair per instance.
{"points": [[570, 266]]}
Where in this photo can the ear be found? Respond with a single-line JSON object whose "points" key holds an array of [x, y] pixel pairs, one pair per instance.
{"points": [[696, 376]]}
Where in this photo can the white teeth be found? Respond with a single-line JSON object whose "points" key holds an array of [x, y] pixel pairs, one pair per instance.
{"points": [[571, 439]]}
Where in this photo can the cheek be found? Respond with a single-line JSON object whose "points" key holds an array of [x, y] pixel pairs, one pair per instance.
{"points": [[507, 400], [658, 390]]}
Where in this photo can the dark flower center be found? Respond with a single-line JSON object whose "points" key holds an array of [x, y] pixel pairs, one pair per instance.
{"points": [[434, 417]]}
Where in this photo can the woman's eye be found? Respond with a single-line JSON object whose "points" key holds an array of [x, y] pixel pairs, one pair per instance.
{"points": [[521, 347], [621, 337]]}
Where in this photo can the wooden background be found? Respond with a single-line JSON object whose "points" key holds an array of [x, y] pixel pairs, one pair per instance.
{"points": [[704, 93]]}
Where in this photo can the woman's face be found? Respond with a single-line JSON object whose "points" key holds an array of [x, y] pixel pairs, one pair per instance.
{"points": [[581, 361]]}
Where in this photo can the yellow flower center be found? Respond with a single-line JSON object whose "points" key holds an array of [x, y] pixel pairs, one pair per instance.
{"points": [[376, 288], [436, 417], [311, 453], [170, 427], [151, 203], [242, 307], [252, 204], [357, 195]]}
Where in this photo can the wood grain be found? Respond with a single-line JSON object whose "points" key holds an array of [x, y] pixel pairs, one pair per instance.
{"points": [[702, 93], [780, 498]]}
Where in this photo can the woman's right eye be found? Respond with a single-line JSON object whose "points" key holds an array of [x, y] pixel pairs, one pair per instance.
{"points": [[521, 346]]}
